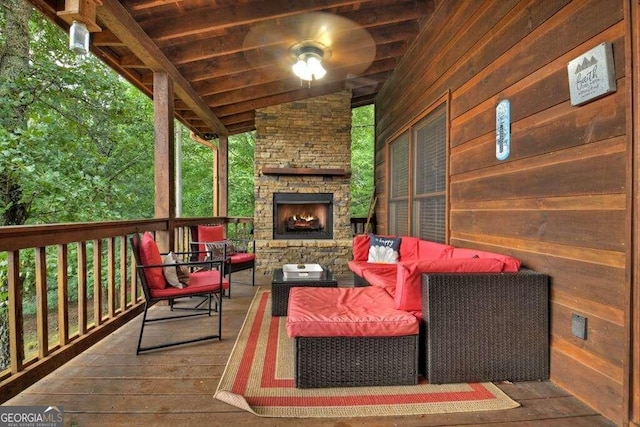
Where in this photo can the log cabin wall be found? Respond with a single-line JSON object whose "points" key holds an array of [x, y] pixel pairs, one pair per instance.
{"points": [[562, 201]]}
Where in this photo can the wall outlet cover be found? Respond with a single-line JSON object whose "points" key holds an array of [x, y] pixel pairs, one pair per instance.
{"points": [[579, 326]]}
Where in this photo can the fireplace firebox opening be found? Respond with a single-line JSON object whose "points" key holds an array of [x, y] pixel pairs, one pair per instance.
{"points": [[303, 216]]}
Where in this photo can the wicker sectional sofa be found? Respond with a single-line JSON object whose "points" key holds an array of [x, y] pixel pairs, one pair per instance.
{"points": [[482, 317]]}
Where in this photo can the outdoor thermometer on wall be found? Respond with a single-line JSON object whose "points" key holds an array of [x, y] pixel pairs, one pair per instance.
{"points": [[503, 130]]}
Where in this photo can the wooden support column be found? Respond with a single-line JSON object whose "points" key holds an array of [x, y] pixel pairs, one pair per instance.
{"points": [[164, 155], [632, 43], [223, 176]]}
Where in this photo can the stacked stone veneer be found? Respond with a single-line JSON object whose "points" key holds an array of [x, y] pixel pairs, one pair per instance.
{"points": [[313, 133]]}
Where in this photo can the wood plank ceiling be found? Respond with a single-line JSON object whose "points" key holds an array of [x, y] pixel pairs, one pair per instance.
{"points": [[230, 57]]}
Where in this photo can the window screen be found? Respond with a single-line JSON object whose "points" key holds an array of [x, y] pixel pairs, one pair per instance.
{"points": [[430, 171], [399, 186]]}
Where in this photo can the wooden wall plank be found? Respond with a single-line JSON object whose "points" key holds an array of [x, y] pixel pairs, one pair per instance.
{"points": [[587, 228], [597, 390], [556, 128], [605, 340], [560, 203], [554, 174]]}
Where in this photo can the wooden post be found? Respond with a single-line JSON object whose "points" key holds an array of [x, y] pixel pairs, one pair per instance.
{"points": [[223, 176], [164, 154]]}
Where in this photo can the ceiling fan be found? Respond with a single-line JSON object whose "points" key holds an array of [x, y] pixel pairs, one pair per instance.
{"points": [[310, 45]]}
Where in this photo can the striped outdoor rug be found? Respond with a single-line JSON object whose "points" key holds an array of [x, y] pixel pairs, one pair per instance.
{"points": [[259, 378]]}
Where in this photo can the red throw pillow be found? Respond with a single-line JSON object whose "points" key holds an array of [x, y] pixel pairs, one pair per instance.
{"points": [[150, 255]]}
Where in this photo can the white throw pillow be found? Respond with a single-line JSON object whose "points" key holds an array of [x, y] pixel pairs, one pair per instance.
{"points": [[169, 270]]}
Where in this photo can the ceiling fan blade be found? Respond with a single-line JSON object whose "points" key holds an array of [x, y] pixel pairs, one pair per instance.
{"points": [[346, 44]]}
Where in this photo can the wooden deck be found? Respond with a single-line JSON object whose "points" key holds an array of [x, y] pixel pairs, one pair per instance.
{"points": [[109, 385]]}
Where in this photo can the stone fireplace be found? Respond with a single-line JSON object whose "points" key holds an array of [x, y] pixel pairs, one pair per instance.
{"points": [[302, 183]]}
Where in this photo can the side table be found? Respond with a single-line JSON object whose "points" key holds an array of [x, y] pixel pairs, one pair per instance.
{"points": [[280, 288]]}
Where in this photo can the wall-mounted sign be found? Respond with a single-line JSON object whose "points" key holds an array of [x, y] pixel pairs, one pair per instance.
{"points": [[592, 74], [503, 130]]}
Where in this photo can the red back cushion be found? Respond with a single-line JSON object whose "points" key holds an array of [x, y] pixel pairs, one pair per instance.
{"points": [[208, 233], [408, 248], [511, 264], [150, 255], [361, 247], [408, 294], [433, 250]]}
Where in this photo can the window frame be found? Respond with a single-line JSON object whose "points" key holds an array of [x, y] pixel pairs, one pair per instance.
{"points": [[426, 117]]}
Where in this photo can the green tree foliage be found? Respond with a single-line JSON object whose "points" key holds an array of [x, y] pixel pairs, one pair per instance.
{"points": [[197, 178], [241, 174], [86, 152], [362, 160]]}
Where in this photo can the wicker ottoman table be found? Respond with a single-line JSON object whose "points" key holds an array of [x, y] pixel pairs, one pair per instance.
{"points": [[280, 288], [351, 337]]}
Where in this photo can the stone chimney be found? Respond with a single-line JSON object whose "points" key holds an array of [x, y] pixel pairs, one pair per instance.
{"points": [[304, 147]]}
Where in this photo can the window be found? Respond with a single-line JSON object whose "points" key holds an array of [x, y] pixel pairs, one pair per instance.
{"points": [[429, 195], [399, 186], [418, 179]]}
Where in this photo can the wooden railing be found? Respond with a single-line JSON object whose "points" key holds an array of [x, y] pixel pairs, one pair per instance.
{"points": [[363, 225], [70, 285]]}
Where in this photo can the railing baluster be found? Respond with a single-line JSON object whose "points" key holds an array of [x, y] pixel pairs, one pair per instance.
{"points": [[63, 296], [16, 337], [82, 288], [134, 279], [111, 277], [42, 310], [97, 282], [123, 273]]}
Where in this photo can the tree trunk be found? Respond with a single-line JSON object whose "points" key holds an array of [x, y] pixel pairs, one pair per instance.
{"points": [[14, 63]]}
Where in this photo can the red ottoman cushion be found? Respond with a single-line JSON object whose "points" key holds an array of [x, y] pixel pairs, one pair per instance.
{"points": [[346, 312]]}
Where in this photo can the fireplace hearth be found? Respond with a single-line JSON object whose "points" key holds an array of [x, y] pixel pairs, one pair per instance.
{"points": [[303, 216]]}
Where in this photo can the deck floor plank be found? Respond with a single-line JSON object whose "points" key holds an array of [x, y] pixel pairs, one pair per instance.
{"points": [[109, 385]]}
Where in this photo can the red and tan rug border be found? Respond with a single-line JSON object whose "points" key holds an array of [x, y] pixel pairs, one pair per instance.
{"points": [[258, 390]]}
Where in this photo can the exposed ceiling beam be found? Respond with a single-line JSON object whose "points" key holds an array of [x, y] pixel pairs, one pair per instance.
{"points": [[233, 40], [115, 17], [205, 19]]}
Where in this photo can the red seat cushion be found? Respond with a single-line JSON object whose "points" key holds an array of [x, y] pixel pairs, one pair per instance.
{"points": [[150, 255], [239, 258], [346, 312], [199, 282], [383, 277]]}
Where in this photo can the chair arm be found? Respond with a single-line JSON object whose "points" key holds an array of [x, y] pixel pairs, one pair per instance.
{"points": [[485, 326]]}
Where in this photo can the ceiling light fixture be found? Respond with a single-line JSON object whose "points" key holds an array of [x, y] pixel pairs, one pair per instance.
{"points": [[309, 62]]}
